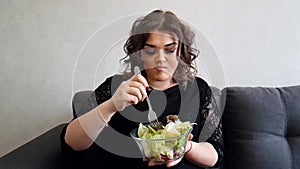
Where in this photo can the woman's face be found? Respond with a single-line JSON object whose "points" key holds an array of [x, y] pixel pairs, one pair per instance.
{"points": [[159, 56]]}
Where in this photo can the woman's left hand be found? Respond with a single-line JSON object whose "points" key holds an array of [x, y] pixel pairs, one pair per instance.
{"points": [[168, 164]]}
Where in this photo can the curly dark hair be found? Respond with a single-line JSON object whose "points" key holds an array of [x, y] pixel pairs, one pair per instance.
{"points": [[168, 22]]}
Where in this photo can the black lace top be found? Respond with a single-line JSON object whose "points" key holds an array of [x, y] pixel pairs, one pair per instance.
{"points": [[191, 102]]}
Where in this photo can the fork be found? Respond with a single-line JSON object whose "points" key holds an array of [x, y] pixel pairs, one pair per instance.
{"points": [[152, 118]]}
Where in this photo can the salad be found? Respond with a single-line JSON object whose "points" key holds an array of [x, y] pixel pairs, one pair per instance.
{"points": [[166, 143]]}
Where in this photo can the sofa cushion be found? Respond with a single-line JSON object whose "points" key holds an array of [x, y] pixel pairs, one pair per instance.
{"points": [[262, 127]]}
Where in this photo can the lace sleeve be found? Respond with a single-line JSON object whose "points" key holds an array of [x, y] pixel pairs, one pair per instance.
{"points": [[211, 123], [108, 87], [98, 96], [103, 92]]}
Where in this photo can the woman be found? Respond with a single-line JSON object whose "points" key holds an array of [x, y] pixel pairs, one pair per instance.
{"points": [[161, 46]]}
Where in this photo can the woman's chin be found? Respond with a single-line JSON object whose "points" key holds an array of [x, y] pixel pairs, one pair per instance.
{"points": [[160, 75]]}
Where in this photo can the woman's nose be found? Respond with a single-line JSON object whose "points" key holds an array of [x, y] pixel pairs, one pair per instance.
{"points": [[160, 57]]}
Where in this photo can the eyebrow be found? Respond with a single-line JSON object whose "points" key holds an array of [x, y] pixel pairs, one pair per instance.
{"points": [[167, 45]]}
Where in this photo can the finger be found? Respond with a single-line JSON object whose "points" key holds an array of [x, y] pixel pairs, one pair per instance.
{"points": [[144, 159], [132, 99], [135, 92], [151, 163], [132, 95], [191, 136], [172, 163], [139, 86], [141, 79]]}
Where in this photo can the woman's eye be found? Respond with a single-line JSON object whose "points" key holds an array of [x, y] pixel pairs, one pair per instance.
{"points": [[169, 51], [149, 51], [153, 51]]}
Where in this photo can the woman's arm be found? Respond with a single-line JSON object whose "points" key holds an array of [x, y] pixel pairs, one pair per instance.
{"points": [[83, 131], [202, 154], [209, 152]]}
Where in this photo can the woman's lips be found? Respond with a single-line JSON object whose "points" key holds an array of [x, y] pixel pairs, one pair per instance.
{"points": [[160, 68]]}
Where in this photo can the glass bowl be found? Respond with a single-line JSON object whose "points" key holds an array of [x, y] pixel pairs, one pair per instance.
{"points": [[161, 150]]}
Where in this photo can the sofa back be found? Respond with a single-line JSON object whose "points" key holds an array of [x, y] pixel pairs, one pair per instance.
{"points": [[262, 127]]}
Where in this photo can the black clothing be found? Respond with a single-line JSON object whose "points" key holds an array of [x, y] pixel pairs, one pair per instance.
{"points": [[191, 102]]}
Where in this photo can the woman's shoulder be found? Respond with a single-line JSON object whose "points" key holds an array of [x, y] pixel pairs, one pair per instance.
{"points": [[108, 87], [197, 84], [201, 82], [203, 86], [112, 81], [116, 78]]}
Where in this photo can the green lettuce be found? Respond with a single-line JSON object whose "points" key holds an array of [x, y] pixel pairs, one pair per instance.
{"points": [[167, 143]]}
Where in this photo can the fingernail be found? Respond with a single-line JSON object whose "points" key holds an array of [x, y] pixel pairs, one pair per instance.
{"points": [[148, 88]]}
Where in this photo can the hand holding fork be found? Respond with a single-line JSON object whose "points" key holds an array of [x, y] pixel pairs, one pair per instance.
{"points": [[152, 118]]}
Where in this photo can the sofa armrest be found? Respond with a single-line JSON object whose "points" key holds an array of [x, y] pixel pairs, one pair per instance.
{"points": [[261, 127], [43, 152]]}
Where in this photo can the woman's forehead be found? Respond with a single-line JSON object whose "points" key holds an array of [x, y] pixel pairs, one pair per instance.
{"points": [[161, 39]]}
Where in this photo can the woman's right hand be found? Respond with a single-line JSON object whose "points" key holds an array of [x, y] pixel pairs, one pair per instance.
{"points": [[130, 92]]}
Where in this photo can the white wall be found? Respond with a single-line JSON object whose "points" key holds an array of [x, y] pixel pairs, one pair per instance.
{"points": [[48, 50]]}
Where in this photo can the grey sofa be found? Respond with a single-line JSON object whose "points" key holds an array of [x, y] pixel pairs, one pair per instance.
{"points": [[261, 128]]}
